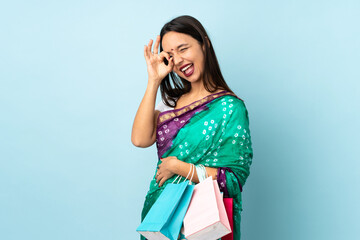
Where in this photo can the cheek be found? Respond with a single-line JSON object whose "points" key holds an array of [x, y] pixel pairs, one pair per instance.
{"points": [[198, 58], [200, 63]]}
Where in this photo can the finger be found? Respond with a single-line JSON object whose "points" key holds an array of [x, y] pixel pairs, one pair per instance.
{"points": [[159, 179], [156, 46], [171, 63], [162, 182], [149, 47], [164, 55], [157, 176], [146, 53]]}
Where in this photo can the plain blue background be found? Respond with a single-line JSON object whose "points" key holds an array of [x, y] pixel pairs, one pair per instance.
{"points": [[73, 75]]}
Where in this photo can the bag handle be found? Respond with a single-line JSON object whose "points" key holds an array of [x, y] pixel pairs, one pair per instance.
{"points": [[190, 170], [192, 167]]}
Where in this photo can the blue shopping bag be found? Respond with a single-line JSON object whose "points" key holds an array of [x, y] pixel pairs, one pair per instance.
{"points": [[165, 218]]}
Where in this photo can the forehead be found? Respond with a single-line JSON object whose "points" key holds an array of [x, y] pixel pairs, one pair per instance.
{"points": [[172, 40]]}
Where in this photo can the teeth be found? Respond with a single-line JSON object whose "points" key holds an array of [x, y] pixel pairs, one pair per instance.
{"points": [[184, 69]]}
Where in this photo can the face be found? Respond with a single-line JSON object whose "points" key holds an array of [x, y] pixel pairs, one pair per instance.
{"points": [[185, 50]]}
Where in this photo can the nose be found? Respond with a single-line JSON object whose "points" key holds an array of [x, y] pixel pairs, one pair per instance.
{"points": [[177, 60]]}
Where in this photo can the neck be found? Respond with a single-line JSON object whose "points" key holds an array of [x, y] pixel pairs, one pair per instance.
{"points": [[197, 89]]}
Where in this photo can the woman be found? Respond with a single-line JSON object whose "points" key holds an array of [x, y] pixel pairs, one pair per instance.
{"points": [[202, 122]]}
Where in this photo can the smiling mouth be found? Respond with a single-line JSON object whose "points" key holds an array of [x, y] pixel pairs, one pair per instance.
{"points": [[184, 69], [189, 70]]}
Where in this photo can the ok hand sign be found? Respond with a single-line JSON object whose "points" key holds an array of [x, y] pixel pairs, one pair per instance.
{"points": [[156, 67]]}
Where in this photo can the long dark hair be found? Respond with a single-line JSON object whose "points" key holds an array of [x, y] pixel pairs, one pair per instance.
{"points": [[213, 79]]}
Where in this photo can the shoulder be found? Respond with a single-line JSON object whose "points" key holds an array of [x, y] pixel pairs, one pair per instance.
{"points": [[161, 106], [233, 101], [237, 108]]}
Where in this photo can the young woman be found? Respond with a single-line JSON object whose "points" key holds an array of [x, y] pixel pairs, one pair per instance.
{"points": [[200, 121]]}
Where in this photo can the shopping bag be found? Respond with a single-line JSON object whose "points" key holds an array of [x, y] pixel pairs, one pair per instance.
{"points": [[221, 179], [228, 202], [206, 217], [165, 217]]}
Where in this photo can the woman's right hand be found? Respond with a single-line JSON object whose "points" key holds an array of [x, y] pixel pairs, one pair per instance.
{"points": [[156, 67]]}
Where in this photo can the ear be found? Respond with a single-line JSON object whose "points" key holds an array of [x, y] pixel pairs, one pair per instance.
{"points": [[208, 43]]}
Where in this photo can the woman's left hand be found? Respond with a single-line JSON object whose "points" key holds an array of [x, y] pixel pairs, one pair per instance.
{"points": [[166, 169]]}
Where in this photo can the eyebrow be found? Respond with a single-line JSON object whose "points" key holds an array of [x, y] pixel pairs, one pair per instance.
{"points": [[181, 45]]}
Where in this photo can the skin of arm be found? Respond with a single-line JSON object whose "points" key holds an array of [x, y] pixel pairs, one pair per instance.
{"points": [[171, 165], [144, 128]]}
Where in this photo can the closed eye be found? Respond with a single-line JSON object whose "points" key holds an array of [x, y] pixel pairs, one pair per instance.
{"points": [[180, 51]]}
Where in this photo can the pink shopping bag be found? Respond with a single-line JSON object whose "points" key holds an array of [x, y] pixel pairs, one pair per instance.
{"points": [[206, 216], [228, 202]]}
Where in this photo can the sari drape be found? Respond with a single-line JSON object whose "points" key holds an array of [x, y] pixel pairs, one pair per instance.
{"points": [[213, 131]]}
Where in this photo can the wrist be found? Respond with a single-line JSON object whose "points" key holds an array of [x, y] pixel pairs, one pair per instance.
{"points": [[153, 83], [152, 87], [175, 166], [213, 172]]}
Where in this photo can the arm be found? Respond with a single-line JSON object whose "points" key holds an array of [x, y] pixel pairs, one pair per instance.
{"points": [[183, 168], [144, 127], [171, 165]]}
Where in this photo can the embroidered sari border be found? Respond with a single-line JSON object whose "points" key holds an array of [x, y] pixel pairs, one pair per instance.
{"points": [[164, 116]]}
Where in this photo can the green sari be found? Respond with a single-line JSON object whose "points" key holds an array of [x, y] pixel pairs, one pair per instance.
{"points": [[213, 131]]}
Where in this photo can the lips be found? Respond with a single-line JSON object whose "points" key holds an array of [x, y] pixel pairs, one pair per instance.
{"points": [[189, 71], [184, 66]]}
